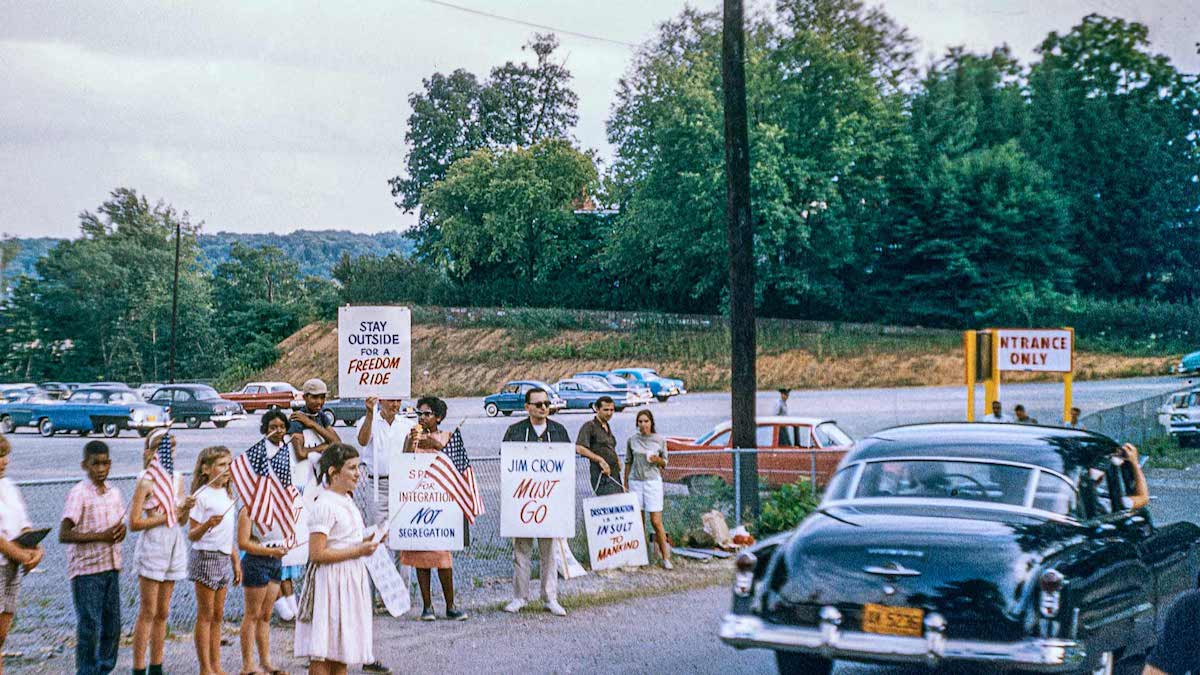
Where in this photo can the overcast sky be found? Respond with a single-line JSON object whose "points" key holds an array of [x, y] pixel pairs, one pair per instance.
{"points": [[272, 116]]}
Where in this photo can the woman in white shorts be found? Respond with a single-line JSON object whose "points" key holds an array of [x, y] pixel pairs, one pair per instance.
{"points": [[645, 454], [160, 557]]}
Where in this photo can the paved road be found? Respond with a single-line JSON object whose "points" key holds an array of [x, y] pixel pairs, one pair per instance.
{"points": [[859, 411]]}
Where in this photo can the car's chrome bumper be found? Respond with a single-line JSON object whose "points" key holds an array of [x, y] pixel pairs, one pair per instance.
{"points": [[1047, 655], [149, 424], [227, 417]]}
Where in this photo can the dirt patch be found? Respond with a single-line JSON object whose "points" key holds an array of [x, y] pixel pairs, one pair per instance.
{"points": [[456, 361]]}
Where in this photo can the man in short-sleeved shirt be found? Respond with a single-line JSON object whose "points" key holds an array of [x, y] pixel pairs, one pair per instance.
{"points": [[1178, 650], [597, 442]]}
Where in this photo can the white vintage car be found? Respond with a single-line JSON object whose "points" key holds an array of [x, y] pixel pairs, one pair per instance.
{"points": [[1180, 416]]}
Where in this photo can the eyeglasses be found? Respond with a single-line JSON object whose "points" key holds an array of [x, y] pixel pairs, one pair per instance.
{"points": [[540, 404], [424, 413]]}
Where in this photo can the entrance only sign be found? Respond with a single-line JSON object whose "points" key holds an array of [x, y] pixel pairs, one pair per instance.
{"points": [[1036, 350]]}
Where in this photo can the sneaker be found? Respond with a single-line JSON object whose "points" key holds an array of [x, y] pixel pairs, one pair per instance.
{"points": [[428, 615], [554, 608], [666, 563], [376, 667], [455, 615], [514, 605]]}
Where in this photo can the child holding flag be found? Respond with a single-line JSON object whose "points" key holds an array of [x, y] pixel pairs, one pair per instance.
{"points": [[160, 556], [213, 563]]}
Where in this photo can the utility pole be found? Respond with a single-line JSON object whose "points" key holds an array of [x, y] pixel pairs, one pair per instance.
{"points": [[741, 255], [174, 304]]}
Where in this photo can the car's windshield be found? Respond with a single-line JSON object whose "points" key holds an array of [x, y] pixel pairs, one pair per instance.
{"points": [[960, 480], [121, 397], [591, 385], [205, 393]]}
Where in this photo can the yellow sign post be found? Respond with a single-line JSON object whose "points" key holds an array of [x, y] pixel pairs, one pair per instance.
{"points": [[991, 351]]}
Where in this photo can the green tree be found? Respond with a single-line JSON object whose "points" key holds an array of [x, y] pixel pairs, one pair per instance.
{"points": [[509, 213], [1115, 125], [106, 297]]}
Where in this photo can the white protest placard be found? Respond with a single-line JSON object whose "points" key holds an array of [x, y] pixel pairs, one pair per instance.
{"points": [[423, 517], [1033, 349], [388, 582], [615, 532], [537, 490], [374, 352]]}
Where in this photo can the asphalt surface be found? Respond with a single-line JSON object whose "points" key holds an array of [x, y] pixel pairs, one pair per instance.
{"points": [[858, 411]]}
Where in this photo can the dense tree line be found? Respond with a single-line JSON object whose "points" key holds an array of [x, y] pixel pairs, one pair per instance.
{"points": [[946, 195], [99, 306]]}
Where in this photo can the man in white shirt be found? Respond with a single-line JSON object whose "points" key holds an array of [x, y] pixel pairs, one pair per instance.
{"points": [[381, 432], [997, 415]]}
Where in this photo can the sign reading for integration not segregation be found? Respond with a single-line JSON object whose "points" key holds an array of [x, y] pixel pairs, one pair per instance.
{"points": [[537, 490], [615, 531], [423, 517], [374, 352], [1039, 350]]}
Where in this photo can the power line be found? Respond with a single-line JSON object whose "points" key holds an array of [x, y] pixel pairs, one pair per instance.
{"points": [[530, 24]]}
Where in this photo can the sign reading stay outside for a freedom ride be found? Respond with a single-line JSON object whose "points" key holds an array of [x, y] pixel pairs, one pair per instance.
{"points": [[615, 531], [423, 517], [1035, 349], [374, 352], [537, 490]]}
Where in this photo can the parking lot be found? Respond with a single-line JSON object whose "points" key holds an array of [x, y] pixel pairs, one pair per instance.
{"points": [[858, 411]]}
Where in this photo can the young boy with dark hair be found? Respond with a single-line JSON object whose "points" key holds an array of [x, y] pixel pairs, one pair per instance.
{"points": [[92, 528]]}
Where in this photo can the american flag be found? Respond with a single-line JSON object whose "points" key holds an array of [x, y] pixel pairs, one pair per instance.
{"points": [[265, 486], [162, 479], [452, 471]]}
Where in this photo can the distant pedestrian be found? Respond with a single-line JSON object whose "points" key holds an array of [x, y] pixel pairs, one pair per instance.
{"points": [[426, 437], [781, 406], [597, 443], [1073, 420], [334, 629], [997, 415], [645, 455], [160, 557], [93, 530], [1022, 417], [213, 564], [15, 560], [1178, 651], [537, 428]]}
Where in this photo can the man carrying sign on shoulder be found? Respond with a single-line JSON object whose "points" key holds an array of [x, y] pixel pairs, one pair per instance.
{"points": [[537, 428], [312, 418]]}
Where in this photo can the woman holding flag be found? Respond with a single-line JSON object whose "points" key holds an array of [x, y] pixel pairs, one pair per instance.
{"points": [[160, 557], [426, 437]]}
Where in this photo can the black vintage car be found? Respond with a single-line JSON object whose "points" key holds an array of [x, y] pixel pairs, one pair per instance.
{"points": [[1008, 547], [194, 404]]}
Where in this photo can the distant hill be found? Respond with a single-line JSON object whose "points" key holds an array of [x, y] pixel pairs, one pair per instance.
{"points": [[317, 251]]}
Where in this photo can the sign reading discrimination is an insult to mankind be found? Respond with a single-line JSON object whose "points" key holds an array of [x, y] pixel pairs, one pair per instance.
{"points": [[423, 517], [374, 352], [537, 490], [615, 531], [1038, 350]]}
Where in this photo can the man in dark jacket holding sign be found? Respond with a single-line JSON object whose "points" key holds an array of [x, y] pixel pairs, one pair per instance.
{"points": [[537, 428]]}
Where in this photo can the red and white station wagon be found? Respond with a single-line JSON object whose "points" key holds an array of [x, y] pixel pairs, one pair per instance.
{"points": [[789, 449]]}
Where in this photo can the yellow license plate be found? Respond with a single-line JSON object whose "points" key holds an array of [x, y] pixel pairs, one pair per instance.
{"points": [[892, 620], [152, 418]]}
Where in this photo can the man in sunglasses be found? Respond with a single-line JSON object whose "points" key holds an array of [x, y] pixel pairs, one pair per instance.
{"points": [[537, 428]]}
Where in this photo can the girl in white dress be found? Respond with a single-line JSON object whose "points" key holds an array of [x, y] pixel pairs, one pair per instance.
{"points": [[333, 629], [160, 557]]}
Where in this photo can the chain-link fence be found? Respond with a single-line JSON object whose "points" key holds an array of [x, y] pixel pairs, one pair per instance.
{"points": [[1137, 422]]}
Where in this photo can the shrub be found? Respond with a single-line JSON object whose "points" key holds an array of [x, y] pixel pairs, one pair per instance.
{"points": [[785, 508]]}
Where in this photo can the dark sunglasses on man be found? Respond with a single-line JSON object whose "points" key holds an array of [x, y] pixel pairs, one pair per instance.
{"points": [[540, 404]]}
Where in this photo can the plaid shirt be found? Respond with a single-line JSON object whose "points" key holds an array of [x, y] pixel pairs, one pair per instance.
{"points": [[93, 512]]}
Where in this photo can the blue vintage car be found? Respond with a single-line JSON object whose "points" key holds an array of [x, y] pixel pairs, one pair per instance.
{"points": [[1190, 363], [88, 410], [582, 394], [638, 393], [661, 387], [512, 398]]}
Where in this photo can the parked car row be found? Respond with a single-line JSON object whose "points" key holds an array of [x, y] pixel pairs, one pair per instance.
{"points": [[627, 387]]}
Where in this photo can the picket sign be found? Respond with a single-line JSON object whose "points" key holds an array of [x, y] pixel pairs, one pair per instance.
{"points": [[374, 351], [423, 516], [615, 531], [388, 582], [537, 490]]}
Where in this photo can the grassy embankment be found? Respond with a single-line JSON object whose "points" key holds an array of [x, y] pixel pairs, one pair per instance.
{"points": [[472, 352]]}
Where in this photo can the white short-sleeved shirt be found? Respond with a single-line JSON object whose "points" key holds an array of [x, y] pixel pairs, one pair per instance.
{"points": [[336, 516], [14, 518], [214, 502], [386, 439]]}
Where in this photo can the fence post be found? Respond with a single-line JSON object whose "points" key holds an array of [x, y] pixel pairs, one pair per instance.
{"points": [[737, 486], [812, 470]]}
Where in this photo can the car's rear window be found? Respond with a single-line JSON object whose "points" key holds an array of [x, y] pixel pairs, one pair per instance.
{"points": [[945, 479]]}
